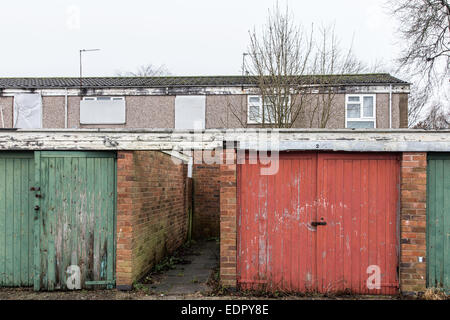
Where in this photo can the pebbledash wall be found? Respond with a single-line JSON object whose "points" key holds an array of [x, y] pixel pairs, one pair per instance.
{"points": [[153, 200], [412, 221], [222, 111]]}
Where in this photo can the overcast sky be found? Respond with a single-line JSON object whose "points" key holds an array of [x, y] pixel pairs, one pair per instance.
{"points": [[195, 37]]}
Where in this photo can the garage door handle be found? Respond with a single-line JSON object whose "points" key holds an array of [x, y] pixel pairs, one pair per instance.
{"points": [[316, 224]]}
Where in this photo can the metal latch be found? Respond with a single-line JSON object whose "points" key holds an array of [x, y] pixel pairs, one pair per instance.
{"points": [[316, 223]]}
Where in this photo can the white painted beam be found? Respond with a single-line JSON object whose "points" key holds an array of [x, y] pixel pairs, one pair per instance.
{"points": [[400, 140]]}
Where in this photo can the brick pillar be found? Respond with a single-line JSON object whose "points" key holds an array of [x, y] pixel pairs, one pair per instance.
{"points": [[413, 222], [125, 174], [228, 223]]}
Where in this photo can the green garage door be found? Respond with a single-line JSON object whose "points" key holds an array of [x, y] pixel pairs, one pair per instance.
{"points": [[57, 219], [16, 219], [77, 220], [438, 221]]}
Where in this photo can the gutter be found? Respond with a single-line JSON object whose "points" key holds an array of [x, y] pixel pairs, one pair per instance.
{"points": [[390, 106], [66, 113], [1, 115]]}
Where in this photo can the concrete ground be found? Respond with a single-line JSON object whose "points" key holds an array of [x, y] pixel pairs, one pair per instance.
{"points": [[190, 277], [187, 280]]}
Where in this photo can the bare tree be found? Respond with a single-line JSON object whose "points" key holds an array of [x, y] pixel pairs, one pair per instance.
{"points": [[424, 27], [438, 118], [330, 58], [285, 59], [147, 70], [279, 57]]}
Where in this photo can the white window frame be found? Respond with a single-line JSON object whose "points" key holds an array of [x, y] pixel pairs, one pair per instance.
{"points": [[249, 121], [104, 98], [361, 110]]}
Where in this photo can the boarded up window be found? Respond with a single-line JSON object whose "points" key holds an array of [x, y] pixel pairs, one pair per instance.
{"points": [[102, 110], [190, 112], [28, 111]]}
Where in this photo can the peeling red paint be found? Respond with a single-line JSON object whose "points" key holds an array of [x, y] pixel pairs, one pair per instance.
{"points": [[356, 195]]}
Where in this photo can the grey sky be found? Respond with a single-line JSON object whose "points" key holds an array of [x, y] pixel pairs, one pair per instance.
{"points": [[195, 37]]}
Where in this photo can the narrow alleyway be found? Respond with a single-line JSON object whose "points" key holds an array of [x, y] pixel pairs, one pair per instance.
{"points": [[190, 277]]}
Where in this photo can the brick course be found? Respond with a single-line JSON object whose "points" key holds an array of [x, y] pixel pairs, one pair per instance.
{"points": [[228, 216], [152, 212], [413, 222]]}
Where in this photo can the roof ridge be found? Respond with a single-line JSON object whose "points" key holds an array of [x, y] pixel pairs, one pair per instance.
{"points": [[202, 76]]}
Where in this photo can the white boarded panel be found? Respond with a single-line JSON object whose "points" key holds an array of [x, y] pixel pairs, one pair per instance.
{"points": [[102, 112], [28, 111], [190, 112]]}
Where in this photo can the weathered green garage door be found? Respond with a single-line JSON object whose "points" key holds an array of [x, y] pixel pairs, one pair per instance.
{"points": [[77, 220], [438, 224], [16, 219]]}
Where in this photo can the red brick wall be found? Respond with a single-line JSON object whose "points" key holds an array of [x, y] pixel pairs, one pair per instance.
{"points": [[413, 222], [228, 223], [206, 179], [152, 215]]}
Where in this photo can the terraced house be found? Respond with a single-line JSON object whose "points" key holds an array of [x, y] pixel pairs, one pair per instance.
{"points": [[358, 101]]}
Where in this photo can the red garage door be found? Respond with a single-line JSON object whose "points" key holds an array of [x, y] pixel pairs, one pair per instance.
{"points": [[326, 222]]}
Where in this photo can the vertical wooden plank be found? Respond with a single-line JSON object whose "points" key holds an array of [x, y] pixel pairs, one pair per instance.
{"points": [[104, 214], [339, 222], [37, 225], [439, 238], [31, 213], [81, 217], [278, 226], [319, 232], [115, 217], [60, 277], [3, 211], [446, 219], [44, 221], [373, 191], [380, 214], [311, 248], [74, 211], [51, 209], [24, 213], [348, 209], [240, 224], [16, 222], [287, 214], [303, 196], [431, 223], [272, 234], [331, 281], [90, 219], [356, 226], [9, 264], [67, 191], [295, 224], [364, 223], [97, 214]]}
